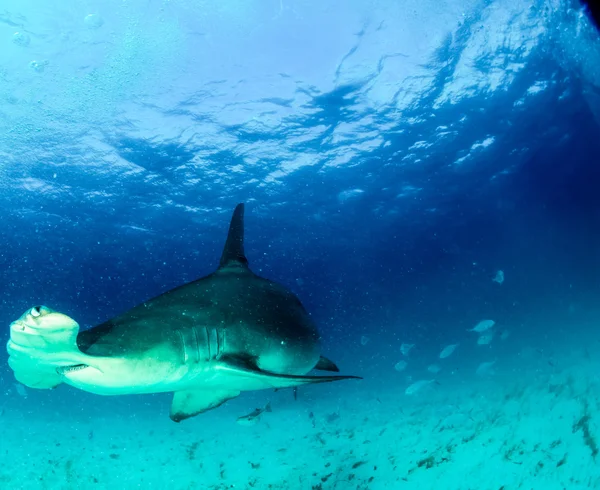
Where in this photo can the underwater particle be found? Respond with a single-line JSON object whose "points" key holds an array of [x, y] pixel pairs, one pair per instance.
{"points": [[417, 386], [485, 368], [499, 277], [485, 338], [448, 350], [483, 325], [434, 368], [400, 366], [93, 21], [300, 281], [38, 66], [406, 348], [364, 340], [21, 39], [504, 334]]}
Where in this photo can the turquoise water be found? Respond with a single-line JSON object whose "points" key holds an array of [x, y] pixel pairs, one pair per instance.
{"points": [[409, 170]]}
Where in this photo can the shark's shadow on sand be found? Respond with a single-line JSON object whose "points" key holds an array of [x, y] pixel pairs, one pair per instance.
{"points": [[206, 341]]}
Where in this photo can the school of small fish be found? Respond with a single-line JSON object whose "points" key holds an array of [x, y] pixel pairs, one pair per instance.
{"points": [[486, 332]]}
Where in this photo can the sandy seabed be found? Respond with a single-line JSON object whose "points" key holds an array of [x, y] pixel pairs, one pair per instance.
{"points": [[500, 432]]}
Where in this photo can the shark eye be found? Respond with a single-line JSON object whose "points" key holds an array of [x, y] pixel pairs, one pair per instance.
{"points": [[36, 311]]}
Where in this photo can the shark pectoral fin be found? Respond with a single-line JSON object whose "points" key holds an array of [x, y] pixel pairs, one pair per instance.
{"points": [[325, 364], [189, 403], [257, 379]]}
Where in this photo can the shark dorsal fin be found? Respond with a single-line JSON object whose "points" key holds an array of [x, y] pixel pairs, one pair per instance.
{"points": [[233, 253]]}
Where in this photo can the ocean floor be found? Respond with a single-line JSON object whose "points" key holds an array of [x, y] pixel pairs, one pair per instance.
{"points": [[535, 426]]}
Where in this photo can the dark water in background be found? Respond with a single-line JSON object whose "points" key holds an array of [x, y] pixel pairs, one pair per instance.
{"points": [[399, 242]]}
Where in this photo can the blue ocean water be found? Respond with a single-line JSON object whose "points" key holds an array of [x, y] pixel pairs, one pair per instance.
{"points": [[393, 158]]}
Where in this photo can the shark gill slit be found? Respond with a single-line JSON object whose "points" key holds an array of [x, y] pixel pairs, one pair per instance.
{"points": [[220, 339], [183, 346], [213, 343], [196, 345], [191, 345], [206, 331]]}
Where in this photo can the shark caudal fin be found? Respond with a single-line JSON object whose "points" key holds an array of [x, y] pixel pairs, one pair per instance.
{"points": [[42, 342], [233, 252]]}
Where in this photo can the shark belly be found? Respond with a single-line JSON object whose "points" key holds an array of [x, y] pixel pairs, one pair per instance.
{"points": [[153, 367], [125, 377]]}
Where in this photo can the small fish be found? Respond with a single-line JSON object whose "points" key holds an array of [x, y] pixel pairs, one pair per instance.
{"points": [[406, 348], [485, 368], [485, 338], [364, 340], [417, 386], [505, 334], [499, 277], [434, 369], [332, 417], [20, 390], [253, 417], [448, 350], [400, 366], [483, 325]]}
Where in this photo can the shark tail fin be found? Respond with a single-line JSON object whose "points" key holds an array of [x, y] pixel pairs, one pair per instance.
{"points": [[268, 407], [233, 252]]}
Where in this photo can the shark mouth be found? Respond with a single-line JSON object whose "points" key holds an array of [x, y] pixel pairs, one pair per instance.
{"points": [[69, 369]]}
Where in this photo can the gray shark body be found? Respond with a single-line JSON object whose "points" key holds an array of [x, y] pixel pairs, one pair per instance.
{"points": [[206, 341]]}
